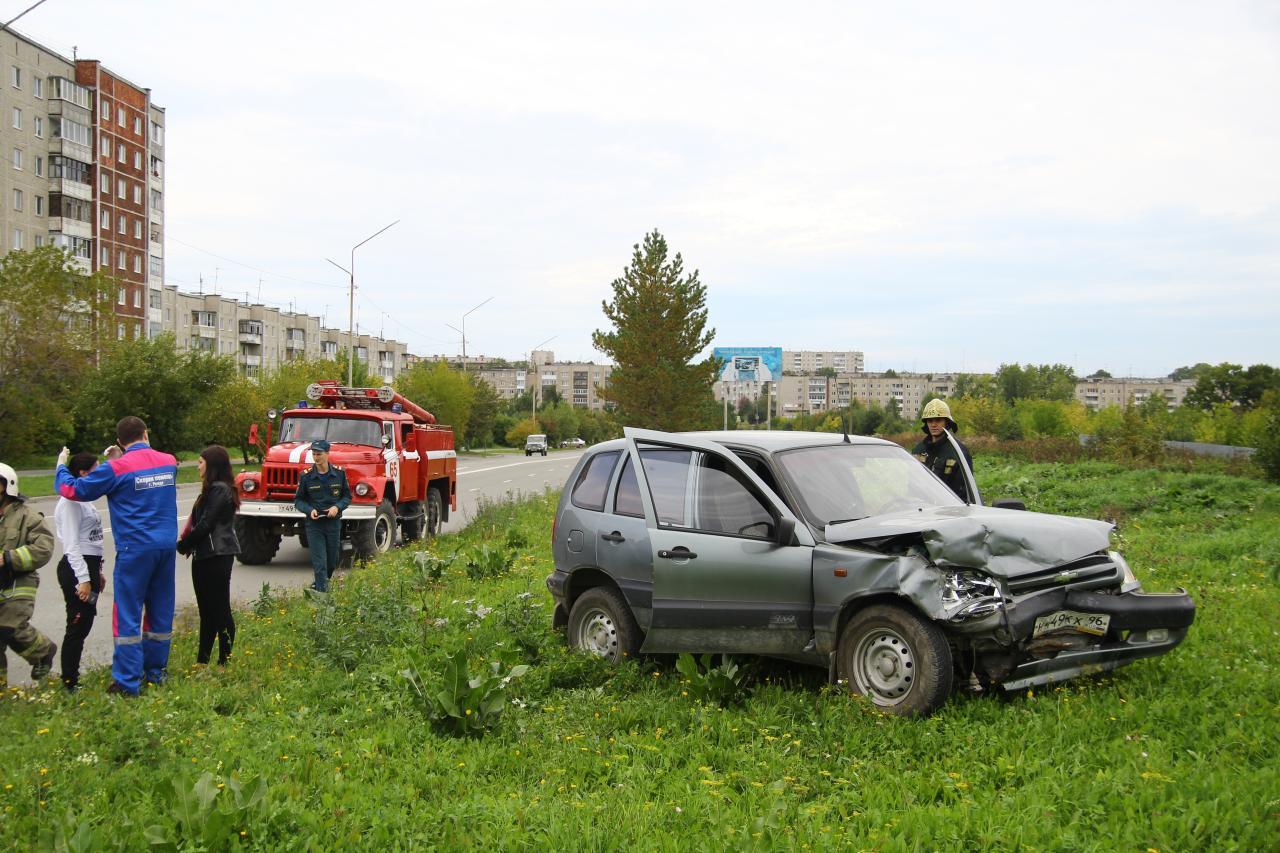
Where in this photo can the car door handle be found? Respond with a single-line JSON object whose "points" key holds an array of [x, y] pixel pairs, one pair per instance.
{"points": [[677, 553], [615, 536]]}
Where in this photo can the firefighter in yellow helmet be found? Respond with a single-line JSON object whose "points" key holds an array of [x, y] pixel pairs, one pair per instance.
{"points": [[26, 544], [937, 453]]}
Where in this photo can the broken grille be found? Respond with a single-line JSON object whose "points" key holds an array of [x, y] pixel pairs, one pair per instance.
{"points": [[1088, 573]]}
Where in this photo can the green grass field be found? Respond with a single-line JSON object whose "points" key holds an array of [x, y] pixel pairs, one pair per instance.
{"points": [[313, 738]]}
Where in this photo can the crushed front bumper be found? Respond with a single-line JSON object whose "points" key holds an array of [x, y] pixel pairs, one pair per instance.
{"points": [[1141, 625]]}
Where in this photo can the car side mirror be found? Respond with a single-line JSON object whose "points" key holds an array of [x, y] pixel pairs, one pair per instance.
{"points": [[1009, 503], [785, 532]]}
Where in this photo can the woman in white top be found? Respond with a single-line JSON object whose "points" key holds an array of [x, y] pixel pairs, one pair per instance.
{"points": [[80, 570]]}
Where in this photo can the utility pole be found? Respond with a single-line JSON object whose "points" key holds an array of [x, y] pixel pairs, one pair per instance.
{"points": [[463, 331]]}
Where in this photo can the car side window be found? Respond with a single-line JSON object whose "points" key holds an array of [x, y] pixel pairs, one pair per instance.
{"points": [[667, 470], [727, 503], [589, 490], [627, 500]]}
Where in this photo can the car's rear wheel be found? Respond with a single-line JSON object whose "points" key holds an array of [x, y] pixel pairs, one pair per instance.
{"points": [[902, 663], [601, 623]]}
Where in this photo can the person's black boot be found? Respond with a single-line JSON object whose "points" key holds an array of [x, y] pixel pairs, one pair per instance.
{"points": [[42, 667]]}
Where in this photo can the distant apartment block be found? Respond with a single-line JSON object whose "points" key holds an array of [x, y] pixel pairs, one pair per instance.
{"points": [[1101, 393], [83, 153], [809, 394], [261, 338], [810, 361], [575, 382]]}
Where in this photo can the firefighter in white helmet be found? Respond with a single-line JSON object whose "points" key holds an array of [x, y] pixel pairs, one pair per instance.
{"points": [[938, 453], [26, 544]]}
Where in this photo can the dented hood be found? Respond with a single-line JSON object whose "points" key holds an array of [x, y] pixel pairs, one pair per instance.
{"points": [[1004, 542]]}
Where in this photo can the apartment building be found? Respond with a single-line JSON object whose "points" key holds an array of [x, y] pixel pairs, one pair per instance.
{"points": [[1098, 393], [576, 382], [80, 144], [811, 361], [808, 394], [262, 338]]}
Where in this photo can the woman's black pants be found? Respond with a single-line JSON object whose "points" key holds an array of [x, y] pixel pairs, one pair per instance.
{"points": [[211, 578], [80, 615]]}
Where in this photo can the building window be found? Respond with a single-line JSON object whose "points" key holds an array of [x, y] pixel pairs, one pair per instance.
{"points": [[104, 219], [120, 116], [17, 158], [120, 265], [120, 152], [120, 187], [157, 200], [17, 77], [155, 267], [137, 265], [39, 167], [38, 125], [137, 125], [105, 106], [39, 240], [137, 159], [104, 146], [137, 193], [121, 297], [137, 298], [120, 331], [157, 133], [17, 238], [122, 222], [37, 87], [137, 229], [17, 199], [17, 118], [39, 205], [104, 183]]}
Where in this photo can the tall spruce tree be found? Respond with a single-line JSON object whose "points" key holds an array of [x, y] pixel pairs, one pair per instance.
{"points": [[659, 318]]}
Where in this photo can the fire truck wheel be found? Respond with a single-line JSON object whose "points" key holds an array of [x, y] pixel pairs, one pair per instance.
{"points": [[435, 511], [257, 543], [412, 525], [377, 536]]}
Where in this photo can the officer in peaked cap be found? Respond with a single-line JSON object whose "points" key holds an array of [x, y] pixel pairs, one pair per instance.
{"points": [[322, 496]]}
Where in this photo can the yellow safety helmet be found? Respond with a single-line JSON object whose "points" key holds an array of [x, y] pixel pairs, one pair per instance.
{"points": [[938, 409]]}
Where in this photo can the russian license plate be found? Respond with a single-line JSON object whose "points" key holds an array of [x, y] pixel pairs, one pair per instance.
{"points": [[1070, 620]]}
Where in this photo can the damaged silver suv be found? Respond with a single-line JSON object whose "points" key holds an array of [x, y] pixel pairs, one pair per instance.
{"points": [[842, 552]]}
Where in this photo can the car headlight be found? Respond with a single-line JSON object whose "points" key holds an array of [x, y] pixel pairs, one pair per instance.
{"points": [[249, 485], [1131, 581], [968, 594], [362, 489]]}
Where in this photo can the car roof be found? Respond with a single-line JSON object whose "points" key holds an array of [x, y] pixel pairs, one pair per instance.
{"points": [[769, 441]]}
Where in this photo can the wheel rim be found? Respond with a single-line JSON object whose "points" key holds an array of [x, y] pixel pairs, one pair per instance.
{"points": [[382, 534], [884, 666], [598, 634]]}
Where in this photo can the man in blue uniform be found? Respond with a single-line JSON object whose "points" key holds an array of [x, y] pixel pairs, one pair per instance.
{"points": [[142, 495], [322, 495]]}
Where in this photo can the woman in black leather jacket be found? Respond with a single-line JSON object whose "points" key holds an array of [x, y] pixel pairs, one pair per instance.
{"points": [[210, 540]]}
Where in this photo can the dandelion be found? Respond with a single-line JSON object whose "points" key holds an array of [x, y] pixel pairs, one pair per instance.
{"points": [[42, 731]]}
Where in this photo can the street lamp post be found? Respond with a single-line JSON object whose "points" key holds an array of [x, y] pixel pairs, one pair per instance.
{"points": [[351, 301], [533, 400], [463, 331]]}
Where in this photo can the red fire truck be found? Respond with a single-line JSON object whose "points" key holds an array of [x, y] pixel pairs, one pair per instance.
{"points": [[400, 464]]}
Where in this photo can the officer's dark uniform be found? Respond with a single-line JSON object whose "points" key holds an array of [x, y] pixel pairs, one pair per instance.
{"points": [[320, 492], [940, 458]]}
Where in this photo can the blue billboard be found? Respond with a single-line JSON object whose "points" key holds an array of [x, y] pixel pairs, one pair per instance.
{"points": [[749, 364]]}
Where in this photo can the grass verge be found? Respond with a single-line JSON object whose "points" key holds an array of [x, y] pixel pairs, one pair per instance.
{"points": [[314, 738]]}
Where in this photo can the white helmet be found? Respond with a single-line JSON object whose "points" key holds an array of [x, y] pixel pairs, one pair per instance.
{"points": [[11, 476]]}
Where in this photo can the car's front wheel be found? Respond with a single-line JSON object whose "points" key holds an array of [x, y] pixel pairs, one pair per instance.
{"points": [[902, 663], [602, 624]]}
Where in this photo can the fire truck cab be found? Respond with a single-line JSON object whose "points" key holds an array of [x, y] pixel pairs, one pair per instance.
{"points": [[400, 464]]}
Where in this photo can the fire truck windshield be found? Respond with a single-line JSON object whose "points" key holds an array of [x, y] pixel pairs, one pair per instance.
{"points": [[334, 430]]}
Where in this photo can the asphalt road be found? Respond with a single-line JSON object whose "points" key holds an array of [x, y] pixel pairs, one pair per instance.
{"points": [[495, 478]]}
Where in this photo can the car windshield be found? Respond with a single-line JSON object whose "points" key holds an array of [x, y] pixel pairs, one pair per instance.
{"points": [[334, 430], [842, 482]]}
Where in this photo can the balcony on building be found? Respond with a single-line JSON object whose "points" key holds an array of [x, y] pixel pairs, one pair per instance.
{"points": [[329, 349], [251, 332], [250, 359], [204, 324], [295, 339]]}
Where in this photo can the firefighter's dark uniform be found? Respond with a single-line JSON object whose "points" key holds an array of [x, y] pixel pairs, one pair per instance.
{"points": [[940, 458], [26, 544], [320, 492]]}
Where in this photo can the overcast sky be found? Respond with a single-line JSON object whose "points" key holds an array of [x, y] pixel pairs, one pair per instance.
{"points": [[945, 186]]}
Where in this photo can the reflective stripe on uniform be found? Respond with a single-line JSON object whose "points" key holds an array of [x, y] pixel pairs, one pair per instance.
{"points": [[157, 635], [15, 592], [129, 641], [23, 556]]}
